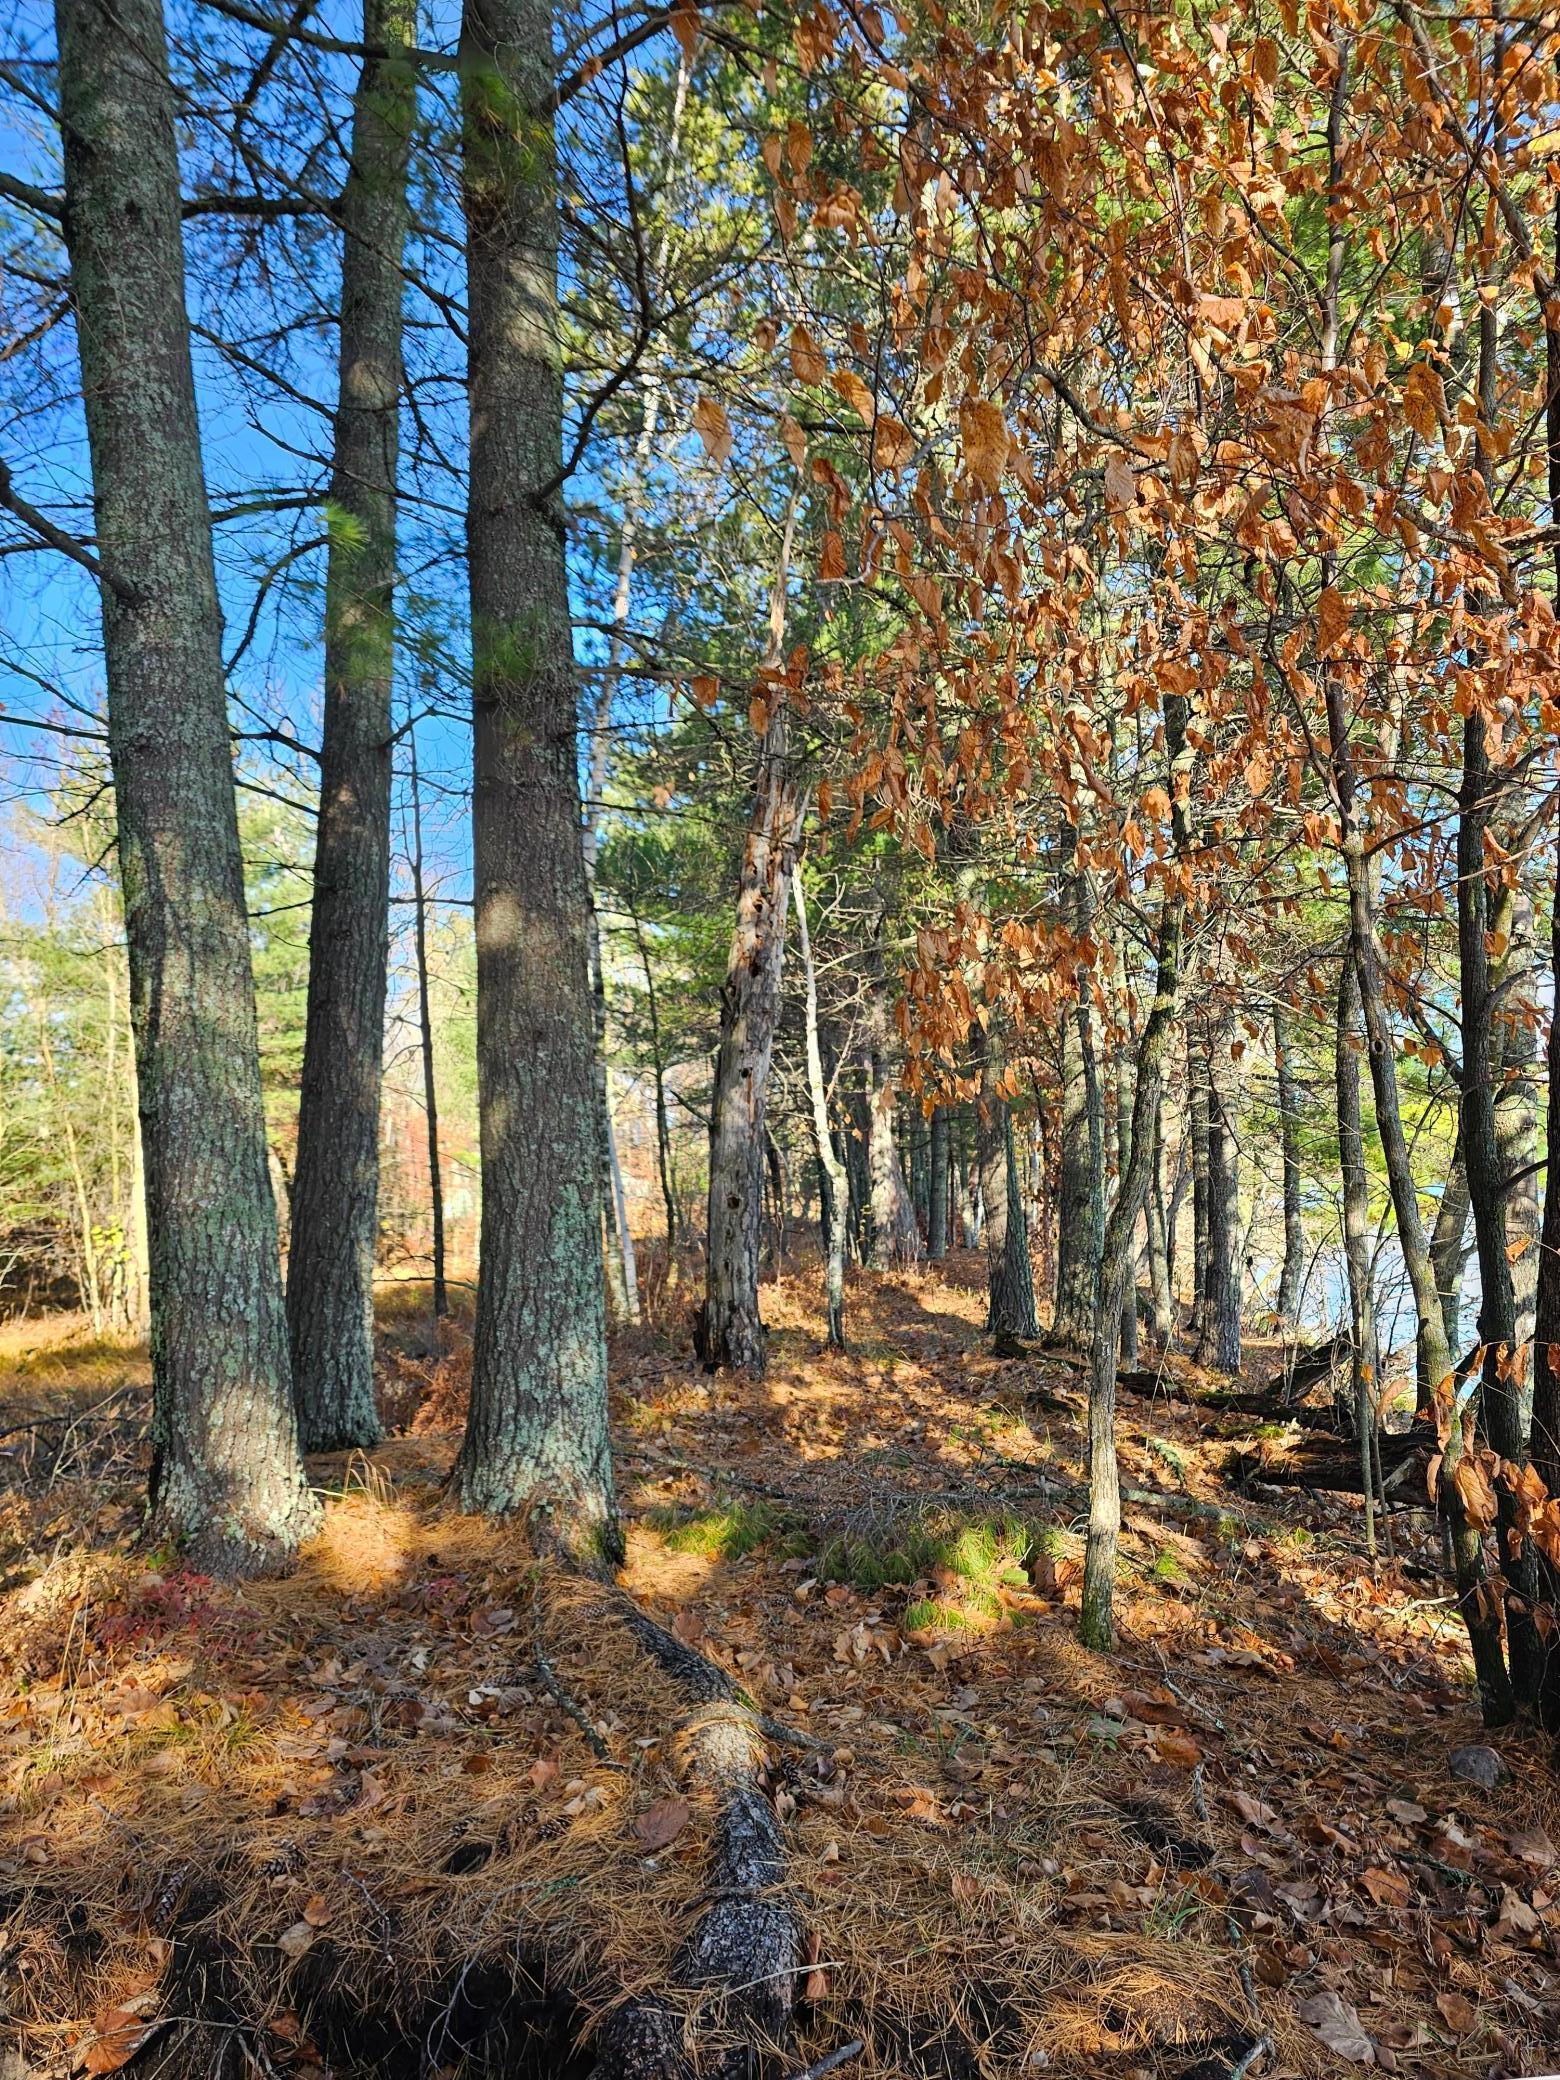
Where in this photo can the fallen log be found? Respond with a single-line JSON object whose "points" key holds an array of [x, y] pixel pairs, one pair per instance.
{"points": [[1266, 1408], [1310, 1366], [1151, 1383], [738, 1972], [1333, 1464]]}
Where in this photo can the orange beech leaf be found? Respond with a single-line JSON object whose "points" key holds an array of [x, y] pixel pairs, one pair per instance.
{"points": [[713, 428]]}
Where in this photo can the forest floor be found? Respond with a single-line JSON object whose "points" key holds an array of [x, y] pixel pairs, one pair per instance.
{"points": [[423, 1800]]}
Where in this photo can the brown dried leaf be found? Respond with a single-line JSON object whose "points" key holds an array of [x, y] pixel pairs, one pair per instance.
{"points": [[1331, 2018], [658, 1826], [1457, 2012], [713, 428], [985, 436], [807, 362]]}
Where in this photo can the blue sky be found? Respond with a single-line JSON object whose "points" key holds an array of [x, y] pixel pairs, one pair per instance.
{"points": [[259, 442]]}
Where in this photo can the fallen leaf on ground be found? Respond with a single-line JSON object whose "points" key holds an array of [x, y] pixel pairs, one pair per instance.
{"points": [[1457, 2012], [1332, 2019], [118, 2034], [658, 1826]]}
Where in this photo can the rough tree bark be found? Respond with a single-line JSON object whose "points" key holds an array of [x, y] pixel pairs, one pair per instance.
{"points": [[227, 1484], [730, 1331], [967, 1160], [1289, 1138], [833, 1185], [1479, 899], [536, 1438], [335, 1194], [1096, 1625], [917, 1142]]}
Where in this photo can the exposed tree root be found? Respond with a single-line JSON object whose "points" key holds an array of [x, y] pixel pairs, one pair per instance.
{"points": [[742, 1962]]}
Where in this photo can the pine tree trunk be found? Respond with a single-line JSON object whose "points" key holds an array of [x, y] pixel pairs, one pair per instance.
{"points": [[833, 1185], [536, 1438], [617, 1243], [1289, 1138], [970, 1209], [919, 1141], [622, 1264], [937, 1209], [335, 1194], [227, 1484], [858, 1173]]}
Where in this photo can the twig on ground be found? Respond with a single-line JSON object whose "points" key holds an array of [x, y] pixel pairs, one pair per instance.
{"points": [[1243, 1970], [821, 2066], [1199, 1801], [70, 1418], [576, 1712], [1244, 2064]]}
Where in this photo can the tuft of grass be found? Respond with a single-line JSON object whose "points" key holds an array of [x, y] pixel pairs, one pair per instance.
{"points": [[986, 1553], [1168, 1566], [931, 1614], [1173, 1912], [730, 1531]]}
